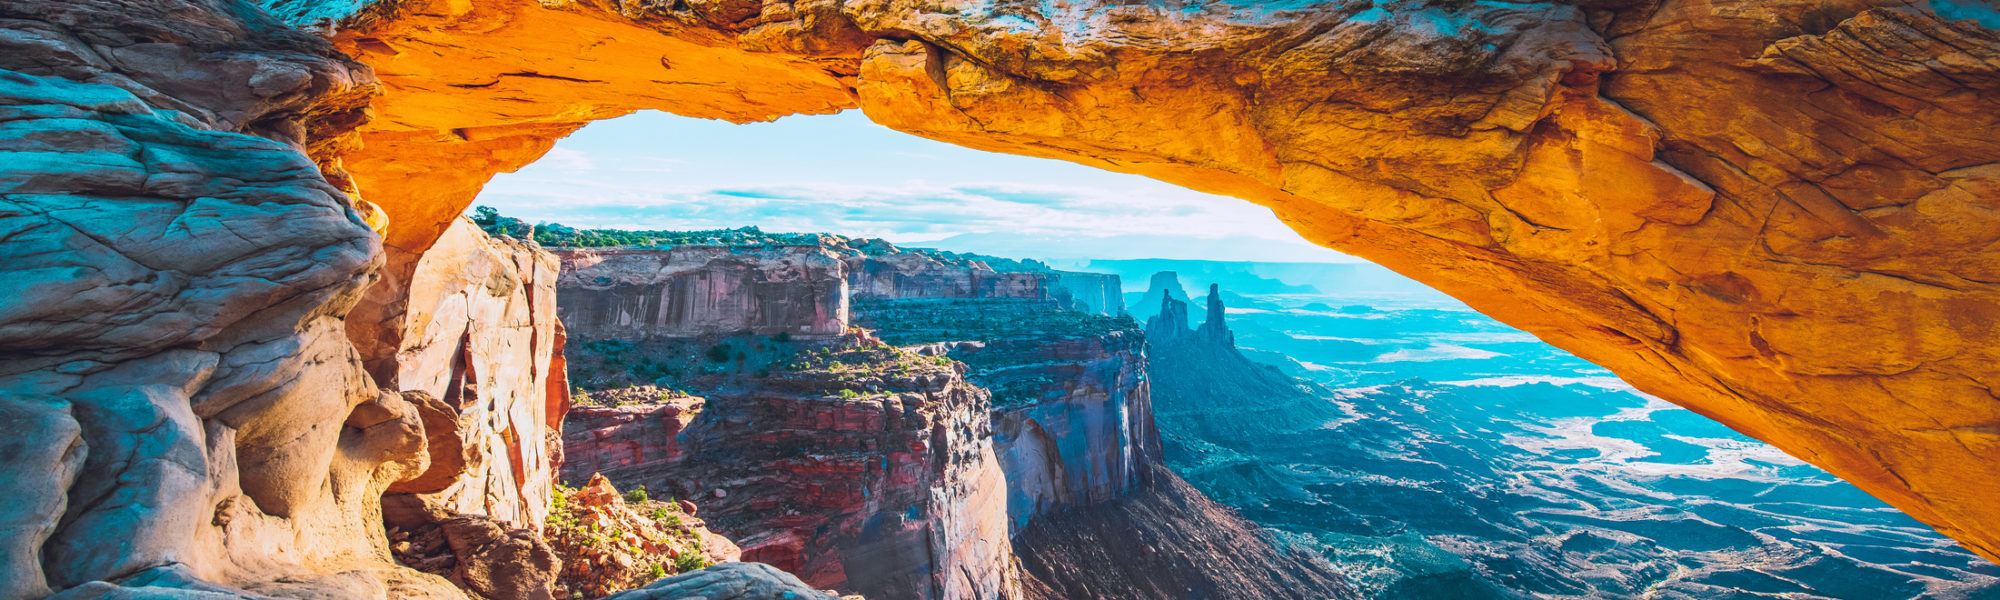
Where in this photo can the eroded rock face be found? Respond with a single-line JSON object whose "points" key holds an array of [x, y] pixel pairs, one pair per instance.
{"points": [[853, 465], [1099, 293], [703, 290], [185, 409], [1778, 214], [1072, 409], [480, 337]]}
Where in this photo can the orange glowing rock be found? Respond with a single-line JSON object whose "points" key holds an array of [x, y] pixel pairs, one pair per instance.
{"points": [[1792, 231]]}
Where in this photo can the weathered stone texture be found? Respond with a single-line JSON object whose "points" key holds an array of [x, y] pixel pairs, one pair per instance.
{"points": [[188, 410], [480, 336]]}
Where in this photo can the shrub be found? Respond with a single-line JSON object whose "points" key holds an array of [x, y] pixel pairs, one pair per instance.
{"points": [[847, 394], [690, 561], [636, 495], [718, 353]]}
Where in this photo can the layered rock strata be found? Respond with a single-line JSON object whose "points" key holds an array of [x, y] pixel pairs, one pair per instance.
{"points": [[1094, 511], [1072, 414], [699, 290], [794, 289], [849, 463]]}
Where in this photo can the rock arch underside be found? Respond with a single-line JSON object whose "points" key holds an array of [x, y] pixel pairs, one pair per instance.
{"points": [[1780, 214]]}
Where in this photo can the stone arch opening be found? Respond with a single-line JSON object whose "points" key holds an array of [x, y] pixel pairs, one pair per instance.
{"points": [[1811, 272], [1779, 214]]}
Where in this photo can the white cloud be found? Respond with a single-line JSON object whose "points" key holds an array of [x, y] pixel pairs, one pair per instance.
{"points": [[1437, 352]]}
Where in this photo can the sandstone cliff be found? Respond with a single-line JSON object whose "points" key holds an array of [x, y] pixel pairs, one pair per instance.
{"points": [[697, 290], [795, 284], [1094, 511], [1099, 293], [1072, 416], [852, 464]]}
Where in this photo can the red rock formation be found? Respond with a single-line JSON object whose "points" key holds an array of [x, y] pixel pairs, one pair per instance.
{"points": [[1095, 513], [701, 290], [862, 468], [637, 439], [1072, 413]]}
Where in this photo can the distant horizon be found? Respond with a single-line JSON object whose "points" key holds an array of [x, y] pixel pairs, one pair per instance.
{"points": [[844, 174]]}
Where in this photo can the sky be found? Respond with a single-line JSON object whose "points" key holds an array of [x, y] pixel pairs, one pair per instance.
{"points": [[844, 174]]}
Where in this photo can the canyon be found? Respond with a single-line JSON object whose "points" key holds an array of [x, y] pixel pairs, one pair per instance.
{"points": [[222, 345], [909, 465]]}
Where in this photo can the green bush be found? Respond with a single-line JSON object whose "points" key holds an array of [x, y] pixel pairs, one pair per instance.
{"points": [[689, 562], [636, 495]]}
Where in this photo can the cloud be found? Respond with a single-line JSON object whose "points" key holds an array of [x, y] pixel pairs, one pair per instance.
{"points": [[1437, 352], [842, 174], [567, 160], [913, 209]]}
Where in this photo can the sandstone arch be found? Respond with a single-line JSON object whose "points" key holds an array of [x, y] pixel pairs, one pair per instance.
{"points": [[1779, 213]]}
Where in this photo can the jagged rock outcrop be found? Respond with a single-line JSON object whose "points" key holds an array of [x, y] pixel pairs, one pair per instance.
{"points": [[703, 290], [1778, 214], [854, 465], [484, 557], [1164, 285], [611, 543]]}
